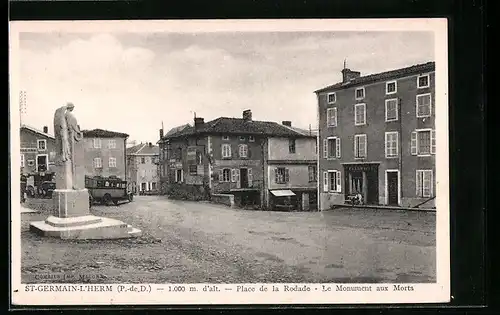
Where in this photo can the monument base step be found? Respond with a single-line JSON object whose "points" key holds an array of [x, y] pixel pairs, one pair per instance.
{"points": [[84, 227]]}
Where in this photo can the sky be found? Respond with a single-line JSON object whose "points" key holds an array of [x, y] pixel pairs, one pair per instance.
{"points": [[132, 82]]}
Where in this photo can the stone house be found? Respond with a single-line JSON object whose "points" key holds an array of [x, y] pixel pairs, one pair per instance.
{"points": [[142, 167]]}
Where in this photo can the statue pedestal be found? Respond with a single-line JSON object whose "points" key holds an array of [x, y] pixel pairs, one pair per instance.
{"points": [[71, 219]]}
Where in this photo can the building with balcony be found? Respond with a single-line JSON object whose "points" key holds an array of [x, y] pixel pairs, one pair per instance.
{"points": [[377, 138], [291, 171], [142, 168], [223, 156], [105, 153], [37, 154]]}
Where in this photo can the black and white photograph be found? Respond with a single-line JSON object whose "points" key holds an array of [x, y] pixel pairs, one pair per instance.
{"points": [[236, 161]]}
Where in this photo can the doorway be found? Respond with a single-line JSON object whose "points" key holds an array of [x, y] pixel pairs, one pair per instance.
{"points": [[243, 178], [42, 163], [392, 184]]}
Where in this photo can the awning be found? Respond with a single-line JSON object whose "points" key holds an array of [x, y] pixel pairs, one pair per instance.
{"points": [[282, 193]]}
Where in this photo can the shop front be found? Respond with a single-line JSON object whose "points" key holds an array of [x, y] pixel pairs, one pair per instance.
{"points": [[361, 179]]}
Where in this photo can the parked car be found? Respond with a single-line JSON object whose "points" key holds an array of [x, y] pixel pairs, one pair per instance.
{"points": [[107, 189], [46, 189]]}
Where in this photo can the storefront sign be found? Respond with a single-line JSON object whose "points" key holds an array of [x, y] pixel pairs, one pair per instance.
{"points": [[29, 150], [361, 167]]}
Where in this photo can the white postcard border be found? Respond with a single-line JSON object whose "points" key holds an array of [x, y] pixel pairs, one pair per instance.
{"points": [[421, 293]]}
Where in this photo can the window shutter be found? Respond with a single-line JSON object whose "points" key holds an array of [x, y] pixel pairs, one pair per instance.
{"points": [[335, 116], [433, 141], [414, 143], [328, 117], [221, 175], [325, 181], [250, 178], [233, 175], [418, 184], [339, 182], [238, 183], [387, 153], [287, 175], [337, 149], [325, 148], [249, 152], [276, 175], [431, 183]]}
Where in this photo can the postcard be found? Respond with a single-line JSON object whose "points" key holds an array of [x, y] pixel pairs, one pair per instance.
{"points": [[184, 162]]}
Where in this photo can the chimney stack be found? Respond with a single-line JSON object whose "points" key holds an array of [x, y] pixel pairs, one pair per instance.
{"points": [[150, 144], [198, 122], [286, 123], [247, 115], [161, 133], [45, 129], [348, 75]]}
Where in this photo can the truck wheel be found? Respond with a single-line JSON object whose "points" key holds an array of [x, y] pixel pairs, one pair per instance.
{"points": [[106, 199], [115, 202]]}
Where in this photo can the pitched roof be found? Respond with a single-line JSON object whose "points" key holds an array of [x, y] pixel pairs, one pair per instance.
{"points": [[143, 149], [382, 76], [177, 129], [35, 130], [101, 133], [238, 126], [305, 132]]}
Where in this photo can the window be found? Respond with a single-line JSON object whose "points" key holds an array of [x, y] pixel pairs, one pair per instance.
{"points": [[143, 160], [243, 150], [331, 98], [97, 143], [193, 169], [291, 146], [360, 146], [153, 186], [251, 138], [424, 183], [391, 109], [423, 105], [112, 162], [242, 138], [391, 144], [331, 148], [97, 163], [391, 87], [331, 181], [331, 117], [313, 173], [423, 142], [225, 175], [360, 93], [41, 145], [423, 81], [52, 155], [111, 144], [225, 138], [359, 114], [178, 176], [22, 160], [226, 150], [282, 175]]}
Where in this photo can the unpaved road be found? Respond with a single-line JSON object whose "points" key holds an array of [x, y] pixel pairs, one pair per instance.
{"points": [[189, 242]]}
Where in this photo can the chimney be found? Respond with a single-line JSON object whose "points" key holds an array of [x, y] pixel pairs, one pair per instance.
{"points": [[286, 123], [161, 133], [247, 115], [349, 75], [150, 144], [198, 122], [45, 129]]}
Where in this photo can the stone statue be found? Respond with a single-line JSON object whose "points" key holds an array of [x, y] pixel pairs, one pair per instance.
{"points": [[67, 133]]}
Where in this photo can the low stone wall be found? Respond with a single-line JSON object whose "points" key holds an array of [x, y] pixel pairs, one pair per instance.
{"points": [[224, 199], [39, 204], [186, 192]]}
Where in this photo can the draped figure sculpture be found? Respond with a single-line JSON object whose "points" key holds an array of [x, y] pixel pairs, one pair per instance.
{"points": [[67, 133]]}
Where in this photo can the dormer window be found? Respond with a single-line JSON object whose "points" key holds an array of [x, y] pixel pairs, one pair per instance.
{"points": [[360, 93], [242, 138], [331, 98], [225, 138]]}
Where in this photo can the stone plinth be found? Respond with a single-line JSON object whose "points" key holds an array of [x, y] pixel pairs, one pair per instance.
{"points": [[70, 203], [71, 219]]}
